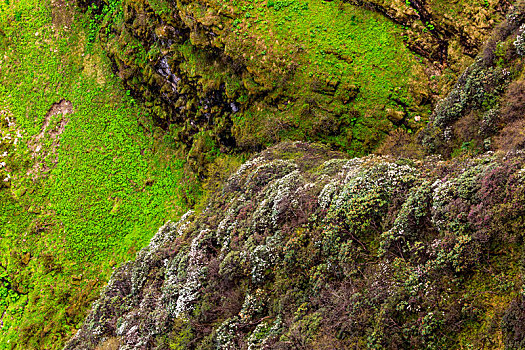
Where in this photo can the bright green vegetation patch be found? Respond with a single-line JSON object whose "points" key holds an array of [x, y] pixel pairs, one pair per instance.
{"points": [[253, 73], [112, 189], [346, 43], [87, 184], [344, 58]]}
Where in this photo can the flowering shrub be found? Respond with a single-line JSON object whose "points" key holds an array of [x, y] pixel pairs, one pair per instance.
{"points": [[225, 335], [476, 83], [263, 334], [519, 43], [329, 253], [477, 108]]}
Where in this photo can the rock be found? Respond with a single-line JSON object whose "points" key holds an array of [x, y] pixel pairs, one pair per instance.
{"points": [[347, 92], [395, 116], [165, 32]]}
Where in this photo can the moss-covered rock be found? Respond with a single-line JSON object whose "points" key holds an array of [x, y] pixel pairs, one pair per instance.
{"points": [[253, 73]]}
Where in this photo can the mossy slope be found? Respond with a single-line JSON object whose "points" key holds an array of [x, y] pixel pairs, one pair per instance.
{"points": [[88, 178], [85, 179], [224, 76]]}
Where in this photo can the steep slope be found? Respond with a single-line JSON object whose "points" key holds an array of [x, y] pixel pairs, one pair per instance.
{"points": [[305, 249], [85, 179], [247, 74], [484, 110]]}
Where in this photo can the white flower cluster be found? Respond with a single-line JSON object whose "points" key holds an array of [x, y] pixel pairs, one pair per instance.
{"points": [[267, 171], [263, 258], [383, 176], [352, 168], [519, 43], [258, 339], [253, 304], [164, 235], [225, 336], [195, 273], [9, 139], [390, 175], [277, 198], [406, 223], [462, 186], [144, 258], [244, 168], [441, 194], [339, 167], [346, 170], [327, 194], [168, 232], [227, 225], [520, 175], [130, 332], [174, 277]]}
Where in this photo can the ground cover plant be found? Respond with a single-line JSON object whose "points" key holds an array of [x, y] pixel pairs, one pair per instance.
{"points": [[85, 179]]}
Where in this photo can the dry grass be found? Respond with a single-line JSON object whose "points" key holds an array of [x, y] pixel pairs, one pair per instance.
{"points": [[109, 344], [399, 143]]}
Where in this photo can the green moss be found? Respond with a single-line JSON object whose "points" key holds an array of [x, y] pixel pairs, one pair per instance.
{"points": [[331, 46]]}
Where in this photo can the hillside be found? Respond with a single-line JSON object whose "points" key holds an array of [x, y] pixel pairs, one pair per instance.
{"points": [[262, 119], [307, 249], [246, 74], [84, 178]]}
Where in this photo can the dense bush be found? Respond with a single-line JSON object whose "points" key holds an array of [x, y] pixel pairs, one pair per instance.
{"points": [[513, 104], [513, 324], [512, 118], [305, 249], [482, 104]]}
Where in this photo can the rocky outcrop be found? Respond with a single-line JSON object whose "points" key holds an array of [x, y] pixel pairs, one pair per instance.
{"points": [[435, 29], [220, 77], [304, 248]]}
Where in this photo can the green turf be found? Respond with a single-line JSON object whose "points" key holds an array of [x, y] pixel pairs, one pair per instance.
{"points": [[331, 47], [111, 180]]}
